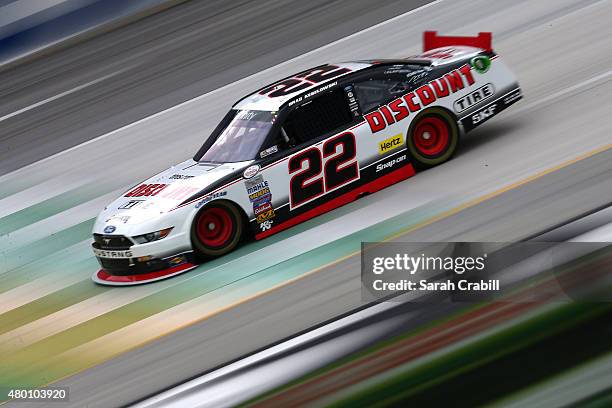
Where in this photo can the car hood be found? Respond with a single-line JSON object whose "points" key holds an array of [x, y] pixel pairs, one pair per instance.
{"points": [[163, 192]]}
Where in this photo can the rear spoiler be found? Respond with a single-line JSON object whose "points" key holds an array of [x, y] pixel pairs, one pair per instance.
{"points": [[432, 40]]}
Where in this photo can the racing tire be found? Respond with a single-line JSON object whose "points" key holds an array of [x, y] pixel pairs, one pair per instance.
{"points": [[217, 229], [433, 138]]}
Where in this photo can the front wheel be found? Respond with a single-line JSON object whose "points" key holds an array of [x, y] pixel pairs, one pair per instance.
{"points": [[217, 229], [432, 138]]}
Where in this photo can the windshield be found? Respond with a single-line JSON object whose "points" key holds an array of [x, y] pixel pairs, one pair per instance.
{"points": [[241, 138]]}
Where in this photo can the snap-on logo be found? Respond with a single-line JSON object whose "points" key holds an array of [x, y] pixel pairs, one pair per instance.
{"points": [[471, 99]]}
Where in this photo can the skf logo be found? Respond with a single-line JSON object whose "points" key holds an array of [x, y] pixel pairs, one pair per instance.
{"points": [[390, 144], [483, 114], [423, 96]]}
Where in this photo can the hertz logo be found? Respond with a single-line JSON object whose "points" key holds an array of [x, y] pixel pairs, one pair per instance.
{"points": [[390, 144]]}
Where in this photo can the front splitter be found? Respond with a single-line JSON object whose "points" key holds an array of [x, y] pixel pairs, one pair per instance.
{"points": [[104, 278]]}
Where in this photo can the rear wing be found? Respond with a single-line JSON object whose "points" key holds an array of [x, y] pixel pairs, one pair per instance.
{"points": [[431, 40]]}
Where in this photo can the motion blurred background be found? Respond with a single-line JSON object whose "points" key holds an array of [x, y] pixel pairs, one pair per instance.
{"points": [[97, 95]]}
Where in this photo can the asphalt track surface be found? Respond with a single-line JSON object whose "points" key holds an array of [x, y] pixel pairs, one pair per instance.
{"points": [[542, 162], [160, 61]]}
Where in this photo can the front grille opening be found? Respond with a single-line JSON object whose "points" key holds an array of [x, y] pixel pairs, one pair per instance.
{"points": [[114, 242]]}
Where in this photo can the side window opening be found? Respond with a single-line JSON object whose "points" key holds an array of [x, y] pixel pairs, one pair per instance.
{"points": [[388, 83], [375, 92], [320, 116]]}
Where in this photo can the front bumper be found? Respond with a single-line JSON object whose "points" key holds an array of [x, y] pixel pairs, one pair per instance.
{"points": [[102, 277], [123, 263]]}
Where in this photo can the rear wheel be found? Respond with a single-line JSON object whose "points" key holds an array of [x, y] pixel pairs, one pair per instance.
{"points": [[433, 137], [217, 229]]}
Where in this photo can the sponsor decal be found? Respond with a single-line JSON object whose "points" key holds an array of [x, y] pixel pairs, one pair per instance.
{"points": [[483, 114], [423, 96], [390, 144], [263, 200], [481, 64], [473, 98], [265, 206], [119, 218], [110, 229], [513, 97], [266, 215], [146, 190], [177, 260], [251, 171], [260, 196], [352, 100], [390, 163], [417, 76], [210, 197], [266, 225], [101, 253], [130, 204], [268, 151], [255, 184], [174, 192], [180, 177], [179, 193]]}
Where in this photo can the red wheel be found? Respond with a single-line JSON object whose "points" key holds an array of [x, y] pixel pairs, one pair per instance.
{"points": [[217, 229], [433, 137], [214, 227]]}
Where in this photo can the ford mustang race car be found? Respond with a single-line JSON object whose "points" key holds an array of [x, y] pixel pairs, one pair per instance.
{"points": [[300, 147]]}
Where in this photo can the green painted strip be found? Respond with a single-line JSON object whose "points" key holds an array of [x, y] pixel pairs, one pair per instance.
{"points": [[48, 208], [26, 365], [60, 264], [15, 185], [45, 246], [49, 304], [80, 260]]}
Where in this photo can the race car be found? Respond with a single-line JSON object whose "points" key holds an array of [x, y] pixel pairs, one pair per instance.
{"points": [[300, 147]]}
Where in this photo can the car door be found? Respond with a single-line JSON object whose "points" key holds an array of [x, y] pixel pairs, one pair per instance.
{"points": [[318, 156], [381, 89]]}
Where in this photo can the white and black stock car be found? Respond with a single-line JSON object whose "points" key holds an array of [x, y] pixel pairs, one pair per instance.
{"points": [[300, 147]]}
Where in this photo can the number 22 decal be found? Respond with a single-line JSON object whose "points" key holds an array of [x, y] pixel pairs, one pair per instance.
{"points": [[317, 171]]}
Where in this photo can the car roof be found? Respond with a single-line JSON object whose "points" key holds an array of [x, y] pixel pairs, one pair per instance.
{"points": [[262, 101]]}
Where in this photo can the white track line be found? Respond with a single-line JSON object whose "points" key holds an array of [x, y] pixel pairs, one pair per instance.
{"points": [[576, 88], [61, 95], [39, 193]]}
